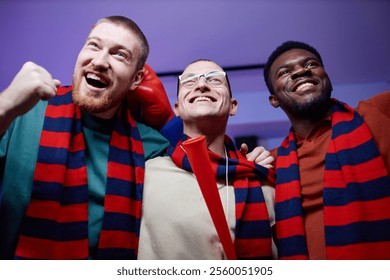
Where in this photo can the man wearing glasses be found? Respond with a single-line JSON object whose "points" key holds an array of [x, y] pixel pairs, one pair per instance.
{"points": [[176, 222]]}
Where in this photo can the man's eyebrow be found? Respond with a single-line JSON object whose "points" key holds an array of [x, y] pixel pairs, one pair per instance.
{"points": [[314, 58], [93, 37], [283, 66], [119, 46], [304, 60]]}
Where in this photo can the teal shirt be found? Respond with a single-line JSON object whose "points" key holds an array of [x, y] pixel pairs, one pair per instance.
{"points": [[18, 155]]}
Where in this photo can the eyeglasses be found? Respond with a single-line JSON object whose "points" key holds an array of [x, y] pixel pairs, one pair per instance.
{"points": [[213, 78]]}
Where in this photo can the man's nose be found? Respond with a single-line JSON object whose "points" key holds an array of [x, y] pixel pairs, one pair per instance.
{"points": [[202, 84], [300, 71], [100, 60]]}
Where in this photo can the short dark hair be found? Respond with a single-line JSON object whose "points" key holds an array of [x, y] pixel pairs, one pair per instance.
{"points": [[286, 46]]}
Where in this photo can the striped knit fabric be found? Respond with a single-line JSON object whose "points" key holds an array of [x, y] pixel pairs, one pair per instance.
{"points": [[252, 233], [356, 194], [56, 222]]}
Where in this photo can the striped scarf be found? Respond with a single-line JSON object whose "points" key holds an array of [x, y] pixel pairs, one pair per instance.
{"points": [[356, 196], [56, 221], [252, 232]]}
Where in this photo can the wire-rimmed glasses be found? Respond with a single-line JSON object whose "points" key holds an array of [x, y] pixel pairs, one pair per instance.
{"points": [[213, 78]]}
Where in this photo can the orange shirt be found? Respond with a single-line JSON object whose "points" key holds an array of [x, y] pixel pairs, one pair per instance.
{"points": [[311, 155]]}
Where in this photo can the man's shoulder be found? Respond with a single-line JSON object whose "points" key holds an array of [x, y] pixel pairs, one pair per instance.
{"points": [[162, 165], [35, 116], [160, 161], [379, 102], [153, 142]]}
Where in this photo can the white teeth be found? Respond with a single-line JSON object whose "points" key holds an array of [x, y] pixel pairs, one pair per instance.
{"points": [[202, 98], [303, 85], [93, 76]]}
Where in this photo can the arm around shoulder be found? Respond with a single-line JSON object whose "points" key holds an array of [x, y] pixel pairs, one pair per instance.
{"points": [[379, 102], [376, 114]]}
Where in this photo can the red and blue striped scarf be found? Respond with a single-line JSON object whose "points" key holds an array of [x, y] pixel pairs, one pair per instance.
{"points": [[56, 221], [356, 196], [253, 232]]}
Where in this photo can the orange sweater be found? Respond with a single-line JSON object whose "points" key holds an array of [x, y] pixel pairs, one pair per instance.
{"points": [[311, 155]]}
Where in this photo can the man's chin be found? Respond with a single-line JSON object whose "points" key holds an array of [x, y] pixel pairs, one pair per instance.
{"points": [[315, 107], [88, 103], [95, 105]]}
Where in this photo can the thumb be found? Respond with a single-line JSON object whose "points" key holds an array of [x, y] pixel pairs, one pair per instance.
{"points": [[57, 83], [244, 149]]}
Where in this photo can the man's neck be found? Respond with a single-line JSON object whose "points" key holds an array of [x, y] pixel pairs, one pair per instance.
{"points": [[215, 136], [303, 125], [97, 124]]}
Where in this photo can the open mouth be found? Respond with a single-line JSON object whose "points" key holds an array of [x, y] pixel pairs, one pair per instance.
{"points": [[96, 81], [302, 85], [202, 99]]}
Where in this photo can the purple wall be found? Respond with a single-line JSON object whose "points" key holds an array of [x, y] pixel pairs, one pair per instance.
{"points": [[353, 37]]}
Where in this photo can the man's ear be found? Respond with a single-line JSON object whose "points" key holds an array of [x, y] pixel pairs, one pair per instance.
{"points": [[233, 107], [273, 101], [176, 109], [138, 77]]}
